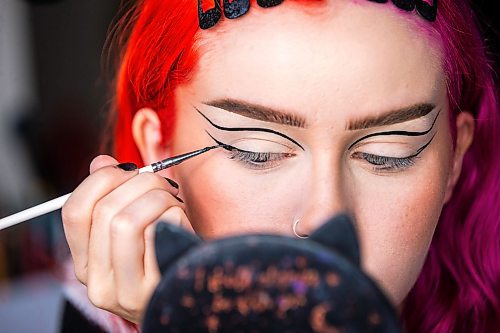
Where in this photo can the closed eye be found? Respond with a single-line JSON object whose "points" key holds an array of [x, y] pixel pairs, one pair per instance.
{"points": [[252, 159], [386, 163]]}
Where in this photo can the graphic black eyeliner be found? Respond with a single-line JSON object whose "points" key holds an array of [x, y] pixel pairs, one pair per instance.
{"points": [[255, 160], [250, 129], [226, 146], [408, 160], [407, 133], [423, 147]]}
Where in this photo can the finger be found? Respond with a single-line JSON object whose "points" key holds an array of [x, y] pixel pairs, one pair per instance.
{"points": [[127, 236], [137, 186], [100, 252], [77, 212], [174, 215], [101, 161], [177, 216]]}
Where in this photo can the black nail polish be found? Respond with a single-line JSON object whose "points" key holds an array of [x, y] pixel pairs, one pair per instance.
{"points": [[127, 166], [171, 182], [179, 199]]}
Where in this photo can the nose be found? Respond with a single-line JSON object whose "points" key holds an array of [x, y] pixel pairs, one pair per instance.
{"points": [[326, 196]]}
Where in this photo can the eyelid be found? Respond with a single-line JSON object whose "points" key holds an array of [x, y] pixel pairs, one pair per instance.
{"points": [[395, 149], [264, 142], [226, 146], [233, 148]]}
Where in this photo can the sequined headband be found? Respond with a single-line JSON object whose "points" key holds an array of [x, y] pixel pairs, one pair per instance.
{"points": [[237, 8]]}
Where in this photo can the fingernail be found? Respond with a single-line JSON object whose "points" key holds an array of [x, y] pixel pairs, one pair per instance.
{"points": [[127, 166], [171, 182], [179, 199]]}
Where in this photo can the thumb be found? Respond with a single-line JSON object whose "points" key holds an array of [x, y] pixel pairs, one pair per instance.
{"points": [[177, 216], [174, 215], [101, 161]]}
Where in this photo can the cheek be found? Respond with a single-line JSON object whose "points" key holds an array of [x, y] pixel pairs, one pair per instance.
{"points": [[396, 222], [223, 199], [395, 239]]}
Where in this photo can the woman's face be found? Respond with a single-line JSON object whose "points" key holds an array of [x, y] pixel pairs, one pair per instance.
{"points": [[320, 97]]}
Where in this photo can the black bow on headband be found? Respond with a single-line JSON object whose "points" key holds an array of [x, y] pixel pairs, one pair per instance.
{"points": [[237, 8]]}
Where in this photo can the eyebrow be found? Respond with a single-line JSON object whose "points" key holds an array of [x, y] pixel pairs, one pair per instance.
{"points": [[258, 112], [392, 117]]}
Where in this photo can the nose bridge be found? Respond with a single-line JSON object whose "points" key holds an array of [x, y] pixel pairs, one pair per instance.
{"points": [[326, 197]]}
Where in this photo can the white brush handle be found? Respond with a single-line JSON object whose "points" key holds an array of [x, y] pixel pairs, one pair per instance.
{"points": [[32, 212], [44, 208], [57, 203]]}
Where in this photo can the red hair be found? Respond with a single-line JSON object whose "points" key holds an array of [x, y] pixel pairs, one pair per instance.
{"points": [[458, 288], [158, 57]]}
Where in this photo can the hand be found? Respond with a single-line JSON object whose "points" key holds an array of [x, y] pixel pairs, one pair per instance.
{"points": [[109, 225]]}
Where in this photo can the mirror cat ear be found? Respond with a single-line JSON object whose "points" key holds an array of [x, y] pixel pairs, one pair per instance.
{"points": [[339, 234], [171, 242]]}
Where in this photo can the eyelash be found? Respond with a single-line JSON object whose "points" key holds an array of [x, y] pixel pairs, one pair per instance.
{"points": [[391, 164], [258, 160], [266, 160], [384, 163]]}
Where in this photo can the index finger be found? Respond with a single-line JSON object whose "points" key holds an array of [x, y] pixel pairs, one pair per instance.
{"points": [[101, 161]]}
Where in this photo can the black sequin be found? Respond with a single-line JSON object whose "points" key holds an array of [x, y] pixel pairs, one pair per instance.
{"points": [[209, 18], [236, 8]]}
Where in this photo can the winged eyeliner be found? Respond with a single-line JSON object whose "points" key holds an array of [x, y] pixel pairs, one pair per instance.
{"points": [[407, 133], [250, 129]]}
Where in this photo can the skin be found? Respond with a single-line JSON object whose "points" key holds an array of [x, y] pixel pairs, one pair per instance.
{"points": [[350, 62]]}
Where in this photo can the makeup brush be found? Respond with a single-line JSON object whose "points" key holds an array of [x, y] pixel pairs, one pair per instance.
{"points": [[57, 203]]}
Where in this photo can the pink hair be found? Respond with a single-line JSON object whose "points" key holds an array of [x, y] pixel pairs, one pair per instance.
{"points": [[458, 288]]}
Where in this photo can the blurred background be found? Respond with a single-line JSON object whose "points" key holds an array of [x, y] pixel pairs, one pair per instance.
{"points": [[53, 102], [54, 98]]}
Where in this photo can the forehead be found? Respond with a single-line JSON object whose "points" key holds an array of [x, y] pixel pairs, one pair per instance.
{"points": [[342, 56]]}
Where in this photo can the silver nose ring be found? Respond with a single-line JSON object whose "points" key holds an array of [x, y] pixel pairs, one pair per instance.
{"points": [[294, 228]]}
